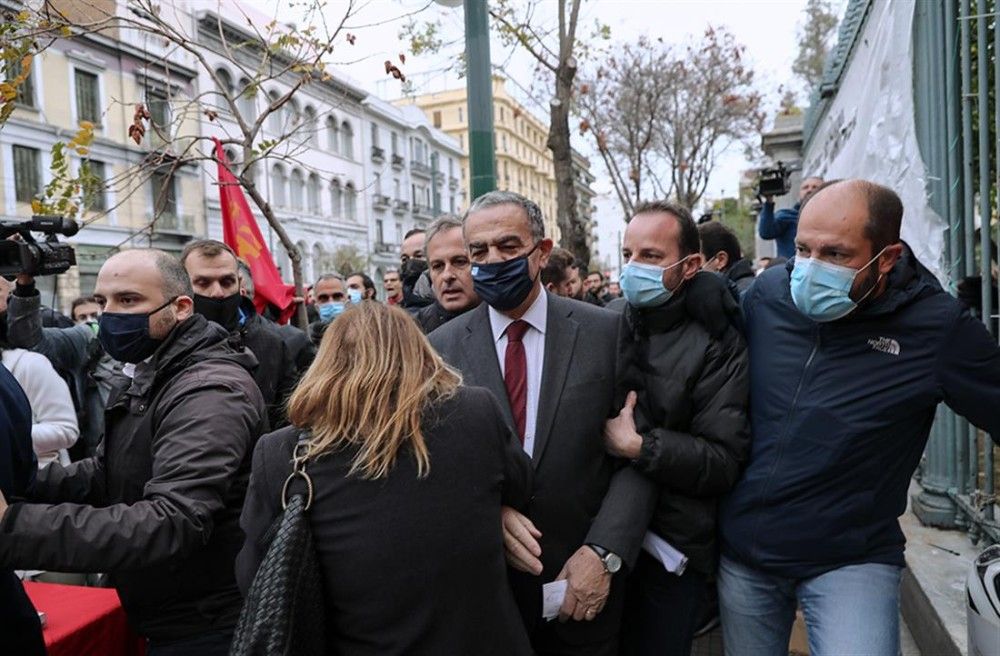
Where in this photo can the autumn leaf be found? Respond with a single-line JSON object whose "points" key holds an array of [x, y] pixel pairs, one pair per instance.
{"points": [[402, 58]]}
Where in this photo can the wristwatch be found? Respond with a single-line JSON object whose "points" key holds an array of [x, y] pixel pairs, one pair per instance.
{"points": [[612, 561]]}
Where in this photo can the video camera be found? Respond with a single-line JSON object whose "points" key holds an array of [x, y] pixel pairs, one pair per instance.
{"points": [[774, 181], [27, 255]]}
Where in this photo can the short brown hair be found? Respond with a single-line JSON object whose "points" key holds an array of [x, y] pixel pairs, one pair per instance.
{"points": [[885, 211], [77, 302], [554, 272], [207, 248], [689, 242]]}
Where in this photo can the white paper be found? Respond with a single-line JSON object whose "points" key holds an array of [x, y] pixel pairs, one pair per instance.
{"points": [[552, 598], [671, 559]]}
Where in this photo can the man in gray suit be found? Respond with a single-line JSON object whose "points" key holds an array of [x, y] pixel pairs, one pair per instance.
{"points": [[559, 368]]}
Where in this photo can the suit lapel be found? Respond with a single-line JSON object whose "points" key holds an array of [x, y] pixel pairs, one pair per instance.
{"points": [[560, 340], [480, 356]]}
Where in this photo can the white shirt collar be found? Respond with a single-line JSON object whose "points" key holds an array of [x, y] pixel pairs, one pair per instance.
{"points": [[536, 316]]}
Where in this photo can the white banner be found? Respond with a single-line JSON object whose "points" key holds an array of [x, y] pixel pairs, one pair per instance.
{"points": [[869, 130]]}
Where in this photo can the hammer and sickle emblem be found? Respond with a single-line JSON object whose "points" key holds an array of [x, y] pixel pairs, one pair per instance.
{"points": [[246, 243]]}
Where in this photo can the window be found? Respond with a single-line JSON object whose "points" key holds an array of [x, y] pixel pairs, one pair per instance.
{"points": [[312, 128], [347, 140], [95, 180], [461, 117], [27, 173], [350, 202], [501, 115], [247, 102], [452, 205], [297, 189], [274, 120], [396, 189], [399, 231], [164, 194], [461, 141], [375, 135], [314, 203], [504, 138], [88, 97], [26, 90], [159, 117], [332, 134], [395, 143], [278, 185], [437, 119], [379, 232], [293, 115], [224, 86], [336, 199]]}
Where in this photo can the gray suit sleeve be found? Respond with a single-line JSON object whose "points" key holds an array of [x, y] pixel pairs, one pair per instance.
{"points": [[630, 501]]}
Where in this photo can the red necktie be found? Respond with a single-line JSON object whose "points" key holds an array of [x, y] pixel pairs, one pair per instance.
{"points": [[515, 374]]}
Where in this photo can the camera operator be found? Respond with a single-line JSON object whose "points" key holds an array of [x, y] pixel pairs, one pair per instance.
{"points": [[782, 225]]}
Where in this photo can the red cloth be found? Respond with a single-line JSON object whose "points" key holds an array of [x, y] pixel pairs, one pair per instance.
{"points": [[83, 621], [515, 374], [241, 233]]}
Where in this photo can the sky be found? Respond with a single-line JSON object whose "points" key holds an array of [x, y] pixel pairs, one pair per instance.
{"points": [[768, 29]]}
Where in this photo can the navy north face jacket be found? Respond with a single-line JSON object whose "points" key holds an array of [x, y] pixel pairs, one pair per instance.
{"points": [[840, 414]]}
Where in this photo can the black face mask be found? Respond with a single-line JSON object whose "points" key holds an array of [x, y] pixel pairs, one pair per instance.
{"points": [[412, 269], [504, 285], [125, 335], [223, 311]]}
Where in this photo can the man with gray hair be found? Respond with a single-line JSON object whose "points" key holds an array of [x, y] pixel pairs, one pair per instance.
{"points": [[558, 369], [331, 296], [451, 274], [158, 506]]}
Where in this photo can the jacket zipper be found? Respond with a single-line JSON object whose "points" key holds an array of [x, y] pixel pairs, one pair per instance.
{"points": [[754, 547]]}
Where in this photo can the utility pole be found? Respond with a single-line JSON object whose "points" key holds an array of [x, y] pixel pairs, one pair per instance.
{"points": [[479, 96]]}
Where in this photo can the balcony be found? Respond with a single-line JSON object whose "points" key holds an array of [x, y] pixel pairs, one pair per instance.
{"points": [[386, 248], [170, 223], [422, 210], [381, 201], [401, 206], [378, 155], [397, 161], [419, 168], [453, 183]]}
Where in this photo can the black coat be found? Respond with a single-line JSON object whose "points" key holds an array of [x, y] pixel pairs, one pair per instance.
{"points": [[276, 374], [693, 418], [411, 565], [741, 273], [158, 506], [432, 317]]}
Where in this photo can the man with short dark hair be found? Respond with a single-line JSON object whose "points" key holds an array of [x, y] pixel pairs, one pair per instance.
{"points": [[695, 437], [556, 274], [720, 248], [300, 347], [416, 283], [215, 278], [85, 309], [158, 506], [451, 274], [852, 347], [393, 287], [593, 288], [558, 369], [363, 284]]}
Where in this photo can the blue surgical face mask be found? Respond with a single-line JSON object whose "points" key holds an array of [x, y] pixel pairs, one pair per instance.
{"points": [[125, 336], [330, 311], [822, 291], [642, 284], [504, 285], [354, 295]]}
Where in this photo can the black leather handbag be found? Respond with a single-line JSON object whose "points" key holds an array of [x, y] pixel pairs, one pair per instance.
{"points": [[284, 612]]}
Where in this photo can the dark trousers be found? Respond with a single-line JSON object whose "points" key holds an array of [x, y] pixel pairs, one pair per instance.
{"points": [[661, 610], [20, 630], [207, 644]]}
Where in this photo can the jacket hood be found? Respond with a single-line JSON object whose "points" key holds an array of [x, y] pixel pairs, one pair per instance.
{"points": [[705, 298], [739, 270]]}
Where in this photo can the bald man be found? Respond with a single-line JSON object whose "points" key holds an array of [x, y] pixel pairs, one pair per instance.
{"points": [[852, 347], [158, 506]]}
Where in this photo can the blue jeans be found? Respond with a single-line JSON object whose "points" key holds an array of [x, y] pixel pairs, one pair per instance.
{"points": [[849, 611]]}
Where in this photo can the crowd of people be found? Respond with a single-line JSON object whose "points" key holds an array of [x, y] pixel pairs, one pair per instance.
{"points": [[512, 454]]}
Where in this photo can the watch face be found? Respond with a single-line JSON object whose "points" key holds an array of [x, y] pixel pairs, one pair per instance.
{"points": [[613, 562]]}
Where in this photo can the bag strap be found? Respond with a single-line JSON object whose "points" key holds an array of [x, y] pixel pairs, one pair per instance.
{"points": [[299, 454]]}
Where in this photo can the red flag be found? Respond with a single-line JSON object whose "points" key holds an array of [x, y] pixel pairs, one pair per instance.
{"points": [[240, 232]]}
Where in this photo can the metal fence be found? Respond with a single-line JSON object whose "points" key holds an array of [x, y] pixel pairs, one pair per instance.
{"points": [[956, 70]]}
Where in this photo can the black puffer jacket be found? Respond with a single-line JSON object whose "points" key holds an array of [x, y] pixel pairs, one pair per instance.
{"points": [[692, 415], [158, 506], [276, 374]]}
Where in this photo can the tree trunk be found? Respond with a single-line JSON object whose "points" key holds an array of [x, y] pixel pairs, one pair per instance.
{"points": [[301, 316], [574, 234]]}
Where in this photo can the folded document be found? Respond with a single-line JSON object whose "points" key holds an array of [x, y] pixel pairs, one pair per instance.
{"points": [[671, 559]]}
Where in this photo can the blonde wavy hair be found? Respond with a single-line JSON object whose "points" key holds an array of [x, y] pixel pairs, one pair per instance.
{"points": [[374, 376]]}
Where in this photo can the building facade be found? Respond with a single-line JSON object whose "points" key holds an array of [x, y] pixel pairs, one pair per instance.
{"points": [[523, 162], [412, 176], [583, 181]]}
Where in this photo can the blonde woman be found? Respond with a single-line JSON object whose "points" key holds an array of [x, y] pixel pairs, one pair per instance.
{"points": [[410, 469]]}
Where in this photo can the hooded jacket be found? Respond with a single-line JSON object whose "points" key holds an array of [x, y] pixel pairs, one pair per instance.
{"points": [[692, 413], [781, 226], [158, 506], [741, 274], [840, 414]]}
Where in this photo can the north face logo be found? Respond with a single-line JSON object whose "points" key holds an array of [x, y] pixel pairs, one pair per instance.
{"points": [[884, 345]]}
